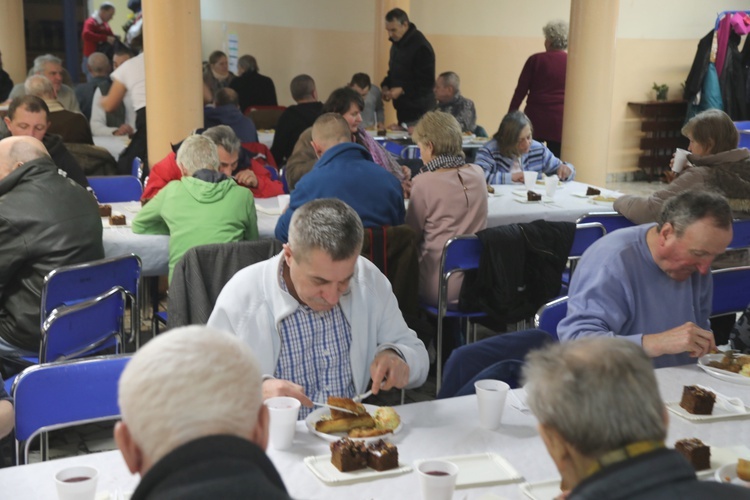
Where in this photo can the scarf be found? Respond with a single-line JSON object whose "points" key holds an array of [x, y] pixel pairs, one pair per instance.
{"points": [[443, 161], [378, 153]]}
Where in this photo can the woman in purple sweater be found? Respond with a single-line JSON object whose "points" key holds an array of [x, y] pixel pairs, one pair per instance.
{"points": [[542, 83]]}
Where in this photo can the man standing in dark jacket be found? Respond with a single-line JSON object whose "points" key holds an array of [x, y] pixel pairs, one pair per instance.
{"points": [[47, 221], [29, 116], [411, 69]]}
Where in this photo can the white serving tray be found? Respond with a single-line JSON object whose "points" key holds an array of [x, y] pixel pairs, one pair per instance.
{"points": [[324, 470], [480, 469]]}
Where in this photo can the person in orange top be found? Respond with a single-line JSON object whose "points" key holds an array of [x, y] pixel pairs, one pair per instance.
{"points": [[236, 162]]}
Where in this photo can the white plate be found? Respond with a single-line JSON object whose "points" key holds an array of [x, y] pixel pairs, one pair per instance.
{"points": [[545, 199], [481, 469], [545, 490], [106, 224], [719, 373], [321, 412], [584, 196], [728, 474], [602, 202], [394, 134], [468, 138], [324, 470], [721, 456], [719, 413]]}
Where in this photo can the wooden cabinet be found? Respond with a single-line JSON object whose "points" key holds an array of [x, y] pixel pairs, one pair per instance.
{"points": [[661, 122]]}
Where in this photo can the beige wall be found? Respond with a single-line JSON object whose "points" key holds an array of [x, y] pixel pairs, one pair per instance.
{"points": [[485, 41]]}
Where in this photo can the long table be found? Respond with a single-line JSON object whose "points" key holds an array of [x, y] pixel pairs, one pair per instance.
{"points": [[154, 249], [432, 429], [505, 206]]}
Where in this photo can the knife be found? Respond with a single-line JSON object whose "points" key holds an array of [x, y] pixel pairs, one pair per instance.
{"points": [[335, 408]]}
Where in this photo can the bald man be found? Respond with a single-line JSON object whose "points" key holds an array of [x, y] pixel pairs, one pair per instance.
{"points": [[48, 221], [345, 170]]}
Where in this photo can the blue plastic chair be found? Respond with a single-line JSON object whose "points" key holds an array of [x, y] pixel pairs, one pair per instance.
{"points": [[586, 234], [137, 168], [67, 285], [741, 233], [58, 395], [611, 221], [411, 152], [460, 254], [550, 314], [116, 188], [744, 129], [731, 290]]}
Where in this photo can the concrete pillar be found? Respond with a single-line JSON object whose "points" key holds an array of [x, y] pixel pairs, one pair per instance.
{"points": [[174, 82], [383, 49], [588, 87], [12, 41]]}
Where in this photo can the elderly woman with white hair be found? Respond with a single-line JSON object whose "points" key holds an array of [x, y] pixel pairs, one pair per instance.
{"points": [[448, 198], [542, 84]]}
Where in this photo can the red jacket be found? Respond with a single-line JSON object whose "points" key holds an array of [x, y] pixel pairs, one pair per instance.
{"points": [[167, 170], [93, 34]]}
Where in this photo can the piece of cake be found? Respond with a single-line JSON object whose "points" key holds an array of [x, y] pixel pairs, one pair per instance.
{"points": [[697, 401], [348, 455], [382, 455], [117, 220], [592, 191], [105, 210], [743, 469], [697, 453], [532, 196], [347, 404]]}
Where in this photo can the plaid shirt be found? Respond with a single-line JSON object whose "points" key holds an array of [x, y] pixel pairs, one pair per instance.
{"points": [[315, 352]]}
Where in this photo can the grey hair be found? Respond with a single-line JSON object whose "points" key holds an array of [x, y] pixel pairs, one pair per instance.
{"points": [[223, 136], [98, 63], [691, 206], [442, 130], [42, 61], [198, 152], [599, 393], [557, 34], [247, 63], [39, 86], [451, 79], [326, 224], [171, 393]]}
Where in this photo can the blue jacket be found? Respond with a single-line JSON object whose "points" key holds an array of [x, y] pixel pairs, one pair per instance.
{"points": [[231, 115], [347, 172]]}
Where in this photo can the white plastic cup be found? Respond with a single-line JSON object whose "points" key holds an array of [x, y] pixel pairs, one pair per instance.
{"points": [[77, 483], [284, 412], [680, 160], [491, 396], [550, 185], [529, 179], [283, 200], [437, 479]]}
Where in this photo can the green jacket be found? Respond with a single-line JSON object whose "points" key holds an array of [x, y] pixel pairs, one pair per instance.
{"points": [[196, 212]]}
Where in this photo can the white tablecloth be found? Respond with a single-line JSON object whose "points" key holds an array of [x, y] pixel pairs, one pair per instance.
{"points": [[508, 205], [431, 429], [154, 249]]}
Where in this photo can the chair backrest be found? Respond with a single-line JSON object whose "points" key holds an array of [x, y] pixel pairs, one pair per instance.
{"points": [[461, 253], [202, 272], [550, 314], [73, 331], [411, 152], [740, 233], [137, 168], [611, 221], [731, 290], [586, 234], [116, 188], [67, 285], [56, 395]]}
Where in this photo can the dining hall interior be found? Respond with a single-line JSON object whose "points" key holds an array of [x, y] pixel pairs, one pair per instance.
{"points": [[627, 99]]}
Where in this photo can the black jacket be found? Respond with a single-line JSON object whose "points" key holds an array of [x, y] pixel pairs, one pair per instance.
{"points": [[520, 269], [254, 89], [6, 85], [46, 221], [220, 467], [412, 67], [292, 122]]}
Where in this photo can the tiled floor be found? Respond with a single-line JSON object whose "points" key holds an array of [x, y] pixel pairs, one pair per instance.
{"points": [[98, 437]]}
